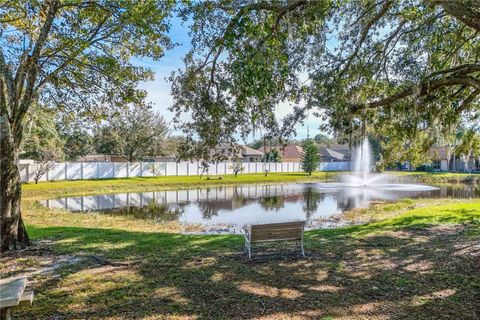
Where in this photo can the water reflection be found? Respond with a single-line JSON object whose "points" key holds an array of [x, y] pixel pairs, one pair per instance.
{"points": [[230, 208]]}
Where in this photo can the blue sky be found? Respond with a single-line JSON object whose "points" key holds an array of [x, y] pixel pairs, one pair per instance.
{"points": [[159, 89]]}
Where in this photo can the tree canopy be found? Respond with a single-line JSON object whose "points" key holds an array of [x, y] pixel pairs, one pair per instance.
{"points": [[409, 68], [136, 133], [73, 55], [310, 157]]}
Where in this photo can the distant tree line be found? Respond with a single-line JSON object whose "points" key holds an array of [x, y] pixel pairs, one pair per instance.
{"points": [[136, 133]]}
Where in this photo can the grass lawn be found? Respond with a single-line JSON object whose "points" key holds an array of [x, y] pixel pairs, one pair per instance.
{"points": [[420, 260], [440, 177]]}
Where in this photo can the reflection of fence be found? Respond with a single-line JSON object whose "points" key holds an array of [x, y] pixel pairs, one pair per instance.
{"points": [[105, 170], [169, 197]]}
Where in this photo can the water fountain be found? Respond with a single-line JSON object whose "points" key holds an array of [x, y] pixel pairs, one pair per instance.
{"points": [[363, 175]]}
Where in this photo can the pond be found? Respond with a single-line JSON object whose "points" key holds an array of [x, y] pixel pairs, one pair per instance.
{"points": [[227, 209]]}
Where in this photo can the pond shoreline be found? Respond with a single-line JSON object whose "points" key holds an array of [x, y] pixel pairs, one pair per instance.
{"points": [[55, 189]]}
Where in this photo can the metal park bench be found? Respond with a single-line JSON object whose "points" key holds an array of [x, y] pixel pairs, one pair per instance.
{"points": [[12, 294], [287, 231]]}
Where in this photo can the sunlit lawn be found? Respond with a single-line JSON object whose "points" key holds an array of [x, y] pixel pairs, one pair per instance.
{"points": [[421, 264]]}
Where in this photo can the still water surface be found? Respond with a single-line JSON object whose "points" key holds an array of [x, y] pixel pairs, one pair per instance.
{"points": [[228, 209]]}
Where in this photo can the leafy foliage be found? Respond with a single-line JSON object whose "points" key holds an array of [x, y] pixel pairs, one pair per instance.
{"points": [[41, 135], [273, 156], [136, 133], [310, 157], [394, 68], [324, 140]]}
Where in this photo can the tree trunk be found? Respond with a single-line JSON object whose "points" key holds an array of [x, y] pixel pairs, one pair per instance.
{"points": [[12, 230]]}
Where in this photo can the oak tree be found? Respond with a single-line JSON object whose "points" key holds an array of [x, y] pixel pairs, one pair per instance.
{"points": [[73, 55], [412, 65]]}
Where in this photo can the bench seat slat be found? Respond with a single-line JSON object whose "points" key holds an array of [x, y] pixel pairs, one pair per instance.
{"points": [[11, 290]]}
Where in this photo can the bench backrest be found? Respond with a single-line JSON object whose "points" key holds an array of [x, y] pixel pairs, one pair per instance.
{"points": [[277, 231]]}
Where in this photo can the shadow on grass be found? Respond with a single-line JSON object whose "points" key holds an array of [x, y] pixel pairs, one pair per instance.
{"points": [[395, 270]]}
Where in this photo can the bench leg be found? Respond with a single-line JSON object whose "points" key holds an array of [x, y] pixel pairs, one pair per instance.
{"points": [[5, 314]]}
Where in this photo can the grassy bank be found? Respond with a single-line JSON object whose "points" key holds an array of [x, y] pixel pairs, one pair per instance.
{"points": [[418, 261], [439, 177], [52, 189]]}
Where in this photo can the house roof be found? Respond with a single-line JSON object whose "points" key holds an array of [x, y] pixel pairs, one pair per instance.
{"points": [[247, 151], [341, 148], [288, 151], [329, 153], [244, 151]]}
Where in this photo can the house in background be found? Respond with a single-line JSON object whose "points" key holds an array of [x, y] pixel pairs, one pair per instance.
{"points": [[289, 153], [443, 160], [102, 158], [244, 153], [338, 153], [251, 155]]}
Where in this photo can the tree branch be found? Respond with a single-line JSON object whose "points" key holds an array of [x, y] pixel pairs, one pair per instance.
{"points": [[241, 11], [467, 11], [32, 61], [364, 34], [424, 88], [6, 75], [90, 41]]}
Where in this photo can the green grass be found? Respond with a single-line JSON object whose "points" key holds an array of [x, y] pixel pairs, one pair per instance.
{"points": [[52, 189], [439, 177], [418, 261]]}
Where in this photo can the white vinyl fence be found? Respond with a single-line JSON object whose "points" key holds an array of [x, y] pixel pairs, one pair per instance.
{"points": [[108, 170]]}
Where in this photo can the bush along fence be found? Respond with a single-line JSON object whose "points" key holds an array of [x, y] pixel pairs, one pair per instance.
{"points": [[108, 170]]}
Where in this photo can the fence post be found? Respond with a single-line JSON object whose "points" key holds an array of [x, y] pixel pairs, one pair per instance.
{"points": [[225, 168], [166, 172], [113, 169], [188, 168], [176, 168], [256, 166], [98, 170], [128, 169], [66, 169], [28, 172], [141, 169], [81, 175]]}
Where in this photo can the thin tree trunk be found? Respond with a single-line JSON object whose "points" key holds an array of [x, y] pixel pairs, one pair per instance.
{"points": [[12, 228]]}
